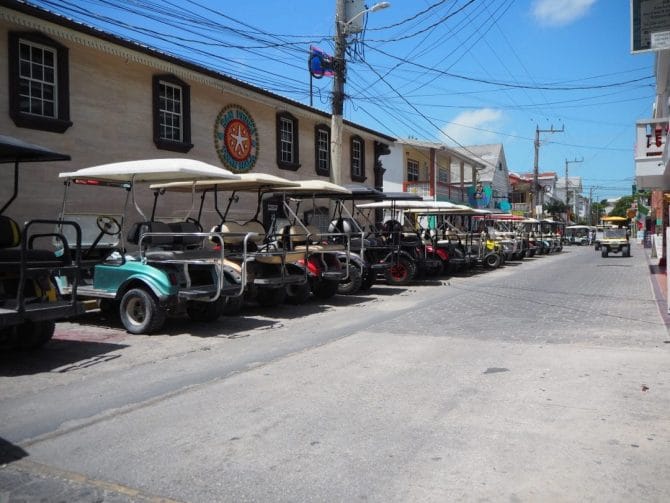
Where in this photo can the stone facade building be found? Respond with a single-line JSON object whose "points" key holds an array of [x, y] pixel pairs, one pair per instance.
{"points": [[100, 99]]}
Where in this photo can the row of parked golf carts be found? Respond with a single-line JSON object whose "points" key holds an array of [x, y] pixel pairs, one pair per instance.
{"points": [[118, 244]]}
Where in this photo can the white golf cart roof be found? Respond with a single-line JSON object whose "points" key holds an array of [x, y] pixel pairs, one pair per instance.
{"points": [[427, 206], [316, 187], [244, 181], [151, 170]]}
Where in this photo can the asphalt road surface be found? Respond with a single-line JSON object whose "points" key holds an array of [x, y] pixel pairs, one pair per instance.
{"points": [[546, 380]]}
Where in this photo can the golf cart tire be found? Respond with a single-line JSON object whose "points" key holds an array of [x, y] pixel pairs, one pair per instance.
{"points": [[270, 297], [353, 283], [140, 313], [492, 261], [203, 311], [604, 253], [297, 293], [368, 279], [324, 289], [436, 270], [626, 251], [401, 272], [31, 335], [231, 306]]}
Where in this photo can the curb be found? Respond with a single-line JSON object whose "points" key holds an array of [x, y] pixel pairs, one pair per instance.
{"points": [[655, 276]]}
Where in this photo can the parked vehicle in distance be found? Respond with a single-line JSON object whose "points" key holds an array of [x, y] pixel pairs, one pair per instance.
{"points": [[599, 233], [615, 240], [578, 234]]}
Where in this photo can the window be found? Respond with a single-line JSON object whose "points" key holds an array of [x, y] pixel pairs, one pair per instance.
{"points": [[443, 175], [287, 141], [172, 114], [357, 159], [38, 83], [322, 149], [412, 170]]}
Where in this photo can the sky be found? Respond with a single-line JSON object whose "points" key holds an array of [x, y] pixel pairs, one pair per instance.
{"points": [[461, 72]]}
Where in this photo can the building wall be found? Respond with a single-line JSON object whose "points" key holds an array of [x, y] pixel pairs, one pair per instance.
{"points": [[394, 164], [111, 111]]}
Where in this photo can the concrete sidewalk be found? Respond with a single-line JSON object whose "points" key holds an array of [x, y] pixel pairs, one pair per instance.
{"points": [[659, 282]]}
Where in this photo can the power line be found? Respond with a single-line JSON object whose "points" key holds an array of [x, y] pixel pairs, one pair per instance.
{"points": [[546, 87]]}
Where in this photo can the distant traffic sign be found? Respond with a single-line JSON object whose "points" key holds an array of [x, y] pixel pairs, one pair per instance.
{"points": [[650, 25]]}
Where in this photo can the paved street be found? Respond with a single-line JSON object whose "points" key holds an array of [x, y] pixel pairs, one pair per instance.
{"points": [[547, 380]]}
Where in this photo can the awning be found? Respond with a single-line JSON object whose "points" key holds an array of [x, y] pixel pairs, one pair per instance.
{"points": [[15, 150]]}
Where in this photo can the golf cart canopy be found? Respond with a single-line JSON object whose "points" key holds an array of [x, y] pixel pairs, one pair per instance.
{"points": [[245, 181], [360, 192], [305, 188], [422, 205], [15, 150], [151, 170], [504, 217]]}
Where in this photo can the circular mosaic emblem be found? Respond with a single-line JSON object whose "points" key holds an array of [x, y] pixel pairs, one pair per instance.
{"points": [[236, 139]]}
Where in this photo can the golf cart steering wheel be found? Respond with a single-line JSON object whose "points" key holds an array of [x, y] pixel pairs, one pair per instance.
{"points": [[108, 225], [196, 222]]}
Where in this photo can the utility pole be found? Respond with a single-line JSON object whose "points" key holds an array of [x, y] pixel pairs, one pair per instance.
{"points": [[567, 194], [343, 28], [536, 185], [591, 206], [339, 76]]}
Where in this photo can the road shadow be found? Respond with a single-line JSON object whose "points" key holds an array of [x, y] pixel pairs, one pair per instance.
{"points": [[178, 325], [57, 356], [10, 452]]}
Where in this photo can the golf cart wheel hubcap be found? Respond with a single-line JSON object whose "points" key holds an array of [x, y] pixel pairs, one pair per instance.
{"points": [[136, 311], [398, 271]]}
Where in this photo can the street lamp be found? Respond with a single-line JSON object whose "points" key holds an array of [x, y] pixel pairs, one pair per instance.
{"points": [[336, 125], [374, 8]]}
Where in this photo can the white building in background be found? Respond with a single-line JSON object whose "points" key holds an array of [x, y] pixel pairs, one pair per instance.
{"points": [[572, 196], [431, 170]]}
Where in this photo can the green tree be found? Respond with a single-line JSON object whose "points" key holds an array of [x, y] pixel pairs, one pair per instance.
{"points": [[622, 206], [597, 209], [555, 208]]}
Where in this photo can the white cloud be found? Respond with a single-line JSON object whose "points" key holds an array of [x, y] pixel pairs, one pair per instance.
{"points": [[474, 127], [560, 12]]}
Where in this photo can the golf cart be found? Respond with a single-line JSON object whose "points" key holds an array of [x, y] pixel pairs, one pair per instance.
{"points": [[446, 238], [327, 254], [607, 224], [368, 251], [29, 301], [403, 243], [502, 228], [269, 269], [615, 240], [578, 235], [164, 270]]}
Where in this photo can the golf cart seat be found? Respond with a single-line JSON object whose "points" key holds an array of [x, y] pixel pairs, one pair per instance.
{"points": [[138, 229], [186, 242], [310, 239], [10, 248], [255, 227], [345, 225], [232, 232]]}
